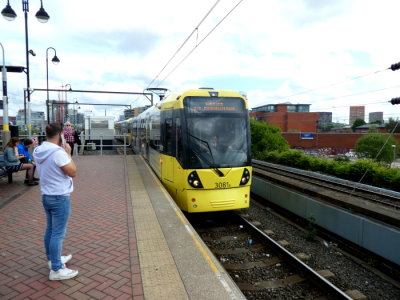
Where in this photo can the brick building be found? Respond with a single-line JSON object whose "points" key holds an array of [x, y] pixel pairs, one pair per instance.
{"points": [[356, 112], [291, 117]]}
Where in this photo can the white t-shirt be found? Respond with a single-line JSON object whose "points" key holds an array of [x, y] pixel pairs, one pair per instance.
{"points": [[49, 159]]}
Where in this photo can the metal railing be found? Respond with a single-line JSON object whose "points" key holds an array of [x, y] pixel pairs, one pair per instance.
{"points": [[89, 144]]}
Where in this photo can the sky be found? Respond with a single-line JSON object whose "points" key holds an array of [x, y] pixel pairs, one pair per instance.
{"points": [[331, 54]]}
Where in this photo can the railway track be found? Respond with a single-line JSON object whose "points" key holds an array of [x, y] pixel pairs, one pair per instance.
{"points": [[261, 266], [377, 196]]}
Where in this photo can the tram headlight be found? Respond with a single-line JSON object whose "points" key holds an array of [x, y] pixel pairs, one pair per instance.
{"points": [[245, 177], [194, 180]]}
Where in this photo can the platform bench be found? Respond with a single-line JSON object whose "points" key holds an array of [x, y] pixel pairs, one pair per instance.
{"points": [[3, 170]]}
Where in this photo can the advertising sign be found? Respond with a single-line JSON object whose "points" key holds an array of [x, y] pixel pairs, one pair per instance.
{"points": [[307, 135]]}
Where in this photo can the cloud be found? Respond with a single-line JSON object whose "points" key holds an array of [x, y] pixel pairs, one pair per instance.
{"points": [[133, 41]]}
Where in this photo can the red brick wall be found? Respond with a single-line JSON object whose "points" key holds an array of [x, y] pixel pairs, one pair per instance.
{"points": [[322, 140], [302, 121], [277, 119]]}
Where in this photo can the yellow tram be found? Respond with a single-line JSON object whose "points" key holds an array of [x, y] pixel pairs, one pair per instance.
{"points": [[198, 144]]}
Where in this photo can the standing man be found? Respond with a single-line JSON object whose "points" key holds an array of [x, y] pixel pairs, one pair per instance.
{"points": [[56, 169]]}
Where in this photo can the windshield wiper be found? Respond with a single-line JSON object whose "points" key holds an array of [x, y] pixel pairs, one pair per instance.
{"points": [[212, 165]]}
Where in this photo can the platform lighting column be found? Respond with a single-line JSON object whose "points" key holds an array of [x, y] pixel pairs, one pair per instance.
{"points": [[5, 134], [42, 16], [394, 153], [66, 115], [55, 61]]}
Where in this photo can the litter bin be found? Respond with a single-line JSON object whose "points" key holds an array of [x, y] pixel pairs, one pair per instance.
{"points": [[14, 131]]}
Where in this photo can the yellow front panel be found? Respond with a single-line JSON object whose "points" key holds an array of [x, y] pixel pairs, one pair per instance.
{"points": [[218, 192], [216, 200]]}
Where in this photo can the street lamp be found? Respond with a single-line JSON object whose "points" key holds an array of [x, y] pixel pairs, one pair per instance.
{"points": [[55, 61], [42, 16], [5, 134]]}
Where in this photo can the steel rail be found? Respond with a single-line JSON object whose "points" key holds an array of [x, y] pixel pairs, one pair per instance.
{"points": [[312, 275], [307, 178]]}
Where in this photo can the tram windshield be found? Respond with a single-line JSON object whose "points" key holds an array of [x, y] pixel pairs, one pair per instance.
{"points": [[217, 138]]}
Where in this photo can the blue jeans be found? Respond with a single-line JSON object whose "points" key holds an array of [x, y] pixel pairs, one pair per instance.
{"points": [[57, 210]]}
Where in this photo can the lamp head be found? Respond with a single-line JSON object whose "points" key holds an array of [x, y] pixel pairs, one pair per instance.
{"points": [[55, 60], [32, 52], [8, 13], [42, 15]]}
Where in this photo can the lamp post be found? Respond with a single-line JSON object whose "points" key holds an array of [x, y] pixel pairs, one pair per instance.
{"points": [[74, 111], [42, 16], [55, 61], [5, 134], [394, 153], [66, 101]]}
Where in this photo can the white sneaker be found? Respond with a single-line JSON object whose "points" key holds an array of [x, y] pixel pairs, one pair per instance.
{"points": [[62, 274], [64, 260]]}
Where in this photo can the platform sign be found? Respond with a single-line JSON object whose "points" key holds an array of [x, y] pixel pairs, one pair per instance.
{"points": [[307, 135]]}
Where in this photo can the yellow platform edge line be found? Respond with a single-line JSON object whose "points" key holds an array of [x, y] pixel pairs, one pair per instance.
{"points": [[194, 237]]}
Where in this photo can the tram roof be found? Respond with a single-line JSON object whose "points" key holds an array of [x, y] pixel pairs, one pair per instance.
{"points": [[200, 93]]}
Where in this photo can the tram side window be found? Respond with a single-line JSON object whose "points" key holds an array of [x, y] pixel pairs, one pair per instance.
{"points": [[178, 139], [169, 137], [155, 135]]}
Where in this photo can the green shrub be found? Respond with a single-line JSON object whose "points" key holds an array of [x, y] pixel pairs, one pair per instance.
{"points": [[363, 168], [370, 172], [272, 156], [341, 170], [316, 163], [342, 158], [290, 158]]}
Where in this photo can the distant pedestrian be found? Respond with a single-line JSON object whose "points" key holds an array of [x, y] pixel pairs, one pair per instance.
{"points": [[69, 135], [77, 140], [56, 169]]}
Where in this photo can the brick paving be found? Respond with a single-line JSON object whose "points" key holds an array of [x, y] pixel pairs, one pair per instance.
{"points": [[101, 237]]}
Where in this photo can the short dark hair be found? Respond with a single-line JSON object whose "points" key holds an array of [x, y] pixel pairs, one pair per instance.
{"points": [[52, 130], [28, 142]]}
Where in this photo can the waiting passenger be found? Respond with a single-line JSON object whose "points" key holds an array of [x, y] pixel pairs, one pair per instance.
{"points": [[11, 159], [23, 149]]}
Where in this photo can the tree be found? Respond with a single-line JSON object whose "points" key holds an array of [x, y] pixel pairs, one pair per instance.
{"points": [[358, 122], [373, 129], [391, 124], [266, 138], [370, 145]]}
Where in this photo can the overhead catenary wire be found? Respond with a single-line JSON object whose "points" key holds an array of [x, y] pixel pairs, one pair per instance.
{"points": [[377, 155], [183, 44], [199, 43], [196, 29], [334, 84]]}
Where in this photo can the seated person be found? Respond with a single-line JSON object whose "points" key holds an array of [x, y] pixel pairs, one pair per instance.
{"points": [[11, 159], [23, 149]]}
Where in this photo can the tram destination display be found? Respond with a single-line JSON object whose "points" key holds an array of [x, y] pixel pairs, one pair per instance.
{"points": [[208, 105]]}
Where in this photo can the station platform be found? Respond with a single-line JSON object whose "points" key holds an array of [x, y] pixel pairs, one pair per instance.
{"points": [[128, 239]]}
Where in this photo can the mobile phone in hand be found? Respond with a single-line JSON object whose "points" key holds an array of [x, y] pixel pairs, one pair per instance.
{"points": [[62, 141]]}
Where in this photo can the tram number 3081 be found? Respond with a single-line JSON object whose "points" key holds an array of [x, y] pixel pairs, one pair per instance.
{"points": [[222, 185]]}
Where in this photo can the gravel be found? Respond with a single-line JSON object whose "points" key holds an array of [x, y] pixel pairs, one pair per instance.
{"points": [[349, 274]]}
